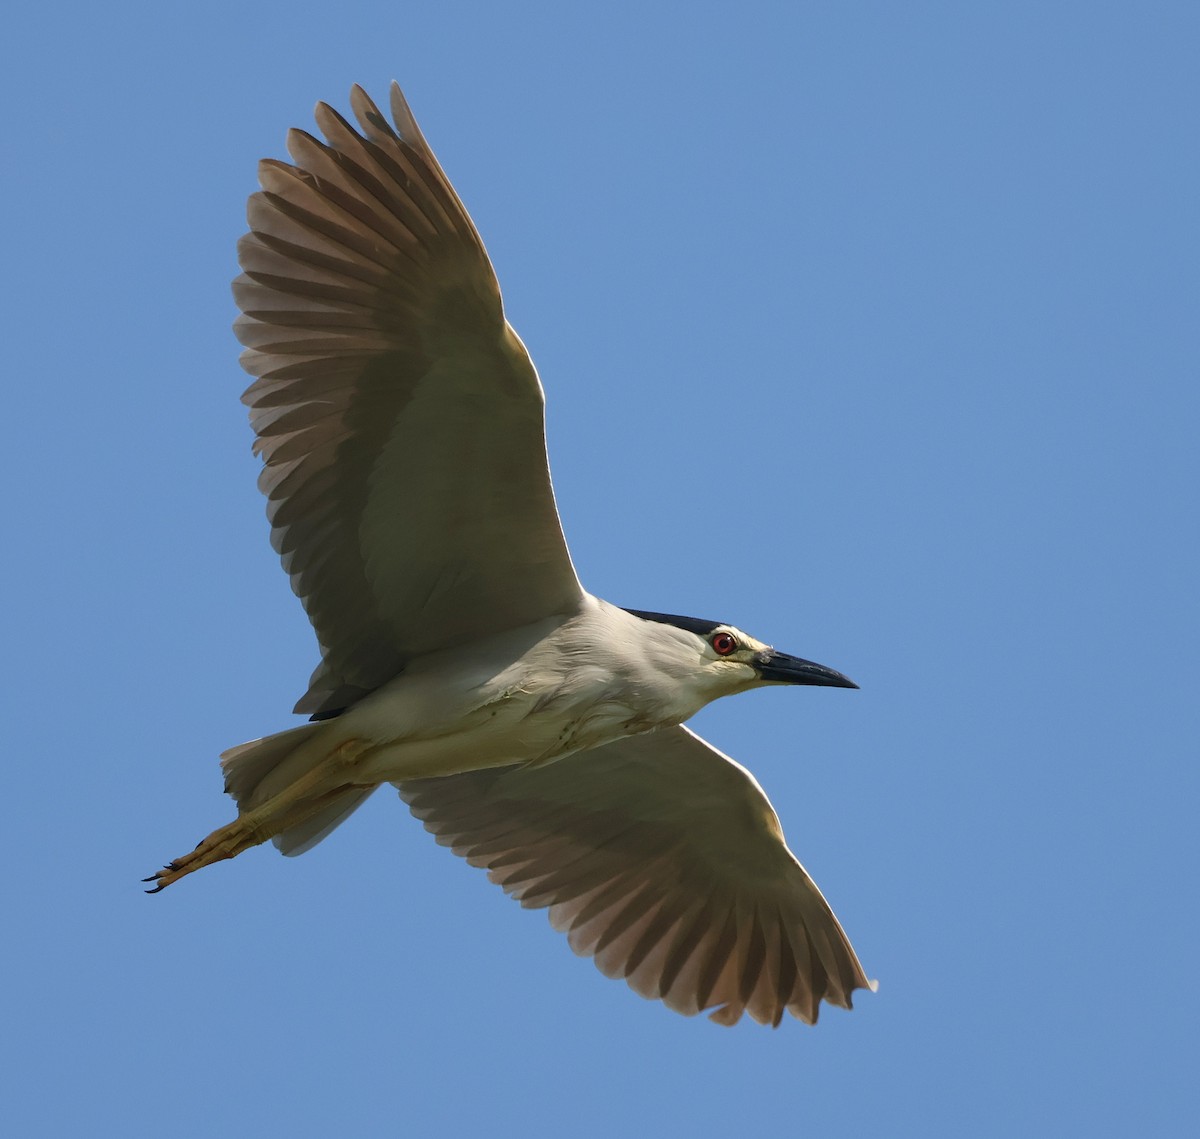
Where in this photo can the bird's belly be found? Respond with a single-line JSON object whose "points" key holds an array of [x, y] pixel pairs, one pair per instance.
{"points": [[528, 696], [415, 742]]}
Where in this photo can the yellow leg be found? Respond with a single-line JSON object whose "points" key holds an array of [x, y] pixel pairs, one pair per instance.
{"points": [[288, 808]]}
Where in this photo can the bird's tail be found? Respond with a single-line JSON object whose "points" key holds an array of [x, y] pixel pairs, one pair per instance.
{"points": [[248, 769], [247, 765]]}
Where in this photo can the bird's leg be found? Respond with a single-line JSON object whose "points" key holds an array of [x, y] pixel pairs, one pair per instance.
{"points": [[290, 807]]}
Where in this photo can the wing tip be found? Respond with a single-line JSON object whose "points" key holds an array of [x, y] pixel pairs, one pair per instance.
{"points": [[402, 116]]}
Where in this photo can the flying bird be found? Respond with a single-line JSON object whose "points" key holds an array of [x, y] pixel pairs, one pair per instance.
{"points": [[535, 729]]}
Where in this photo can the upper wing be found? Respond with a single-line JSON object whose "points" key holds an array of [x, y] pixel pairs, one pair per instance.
{"points": [[399, 416], [663, 859]]}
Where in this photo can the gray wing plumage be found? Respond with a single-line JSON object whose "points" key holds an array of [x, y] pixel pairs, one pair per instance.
{"points": [[662, 859], [399, 417]]}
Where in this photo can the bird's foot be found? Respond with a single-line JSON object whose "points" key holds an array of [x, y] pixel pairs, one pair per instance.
{"points": [[226, 842]]}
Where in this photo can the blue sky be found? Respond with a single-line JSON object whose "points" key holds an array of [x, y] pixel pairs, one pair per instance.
{"points": [[867, 327]]}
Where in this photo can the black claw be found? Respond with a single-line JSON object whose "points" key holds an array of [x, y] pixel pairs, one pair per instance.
{"points": [[156, 889]]}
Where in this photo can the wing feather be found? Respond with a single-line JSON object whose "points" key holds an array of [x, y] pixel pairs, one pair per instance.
{"points": [[398, 416], [663, 860]]}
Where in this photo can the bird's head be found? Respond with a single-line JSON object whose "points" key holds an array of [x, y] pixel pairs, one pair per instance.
{"points": [[725, 660]]}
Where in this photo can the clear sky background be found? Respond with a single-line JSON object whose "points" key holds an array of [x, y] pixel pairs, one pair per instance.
{"points": [[870, 327]]}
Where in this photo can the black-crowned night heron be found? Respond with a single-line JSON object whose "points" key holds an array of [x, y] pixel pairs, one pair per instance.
{"points": [[535, 729]]}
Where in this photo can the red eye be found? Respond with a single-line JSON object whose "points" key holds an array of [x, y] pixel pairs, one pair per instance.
{"points": [[723, 644]]}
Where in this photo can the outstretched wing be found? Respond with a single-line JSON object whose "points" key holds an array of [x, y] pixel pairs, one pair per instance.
{"points": [[662, 859], [399, 416]]}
